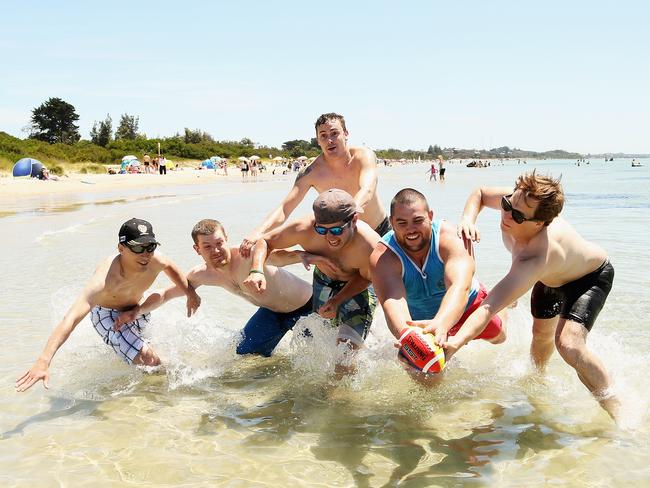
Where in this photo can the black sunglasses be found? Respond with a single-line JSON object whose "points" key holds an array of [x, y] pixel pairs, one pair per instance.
{"points": [[140, 248], [517, 216]]}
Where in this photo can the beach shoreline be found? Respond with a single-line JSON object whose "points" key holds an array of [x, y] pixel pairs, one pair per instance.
{"points": [[12, 188]]}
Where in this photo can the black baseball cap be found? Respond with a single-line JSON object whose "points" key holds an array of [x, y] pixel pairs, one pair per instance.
{"points": [[137, 231]]}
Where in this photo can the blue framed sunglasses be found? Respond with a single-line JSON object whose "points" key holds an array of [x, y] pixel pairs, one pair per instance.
{"points": [[335, 231]]}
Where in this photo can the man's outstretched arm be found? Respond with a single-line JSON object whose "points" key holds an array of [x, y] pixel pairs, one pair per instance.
{"points": [[40, 370], [278, 216]]}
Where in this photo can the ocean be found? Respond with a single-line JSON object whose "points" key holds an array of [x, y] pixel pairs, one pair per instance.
{"points": [[212, 418]]}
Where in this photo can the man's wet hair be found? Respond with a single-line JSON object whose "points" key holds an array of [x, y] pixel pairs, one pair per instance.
{"points": [[206, 227], [408, 196], [331, 116], [544, 189]]}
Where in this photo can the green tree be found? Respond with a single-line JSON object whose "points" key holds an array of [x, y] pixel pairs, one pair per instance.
{"points": [[54, 121], [128, 128], [196, 136], [431, 151], [297, 147], [102, 132]]}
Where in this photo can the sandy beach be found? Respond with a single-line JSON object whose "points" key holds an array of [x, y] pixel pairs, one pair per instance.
{"points": [[11, 188]]}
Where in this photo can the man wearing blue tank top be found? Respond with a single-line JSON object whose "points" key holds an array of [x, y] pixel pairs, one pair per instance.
{"points": [[423, 274]]}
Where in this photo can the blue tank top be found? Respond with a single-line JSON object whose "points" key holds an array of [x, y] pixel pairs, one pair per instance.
{"points": [[425, 287]]}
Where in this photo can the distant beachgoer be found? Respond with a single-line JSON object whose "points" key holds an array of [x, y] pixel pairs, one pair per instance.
{"points": [[146, 160], [244, 169], [432, 171], [285, 300], [340, 283], [162, 165], [441, 168], [570, 278], [353, 169], [111, 297]]}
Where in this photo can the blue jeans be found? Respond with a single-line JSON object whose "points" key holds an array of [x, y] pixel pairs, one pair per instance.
{"points": [[266, 328]]}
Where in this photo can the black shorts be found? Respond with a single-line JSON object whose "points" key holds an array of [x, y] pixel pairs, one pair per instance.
{"points": [[442, 171], [580, 300], [384, 228]]}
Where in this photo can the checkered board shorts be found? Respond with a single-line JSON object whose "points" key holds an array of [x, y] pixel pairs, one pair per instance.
{"points": [[126, 342]]}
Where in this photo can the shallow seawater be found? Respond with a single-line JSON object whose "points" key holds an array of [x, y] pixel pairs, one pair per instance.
{"points": [[211, 418]]}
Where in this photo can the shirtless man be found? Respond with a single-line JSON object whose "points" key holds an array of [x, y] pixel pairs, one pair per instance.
{"points": [[424, 276], [115, 290], [570, 277], [353, 169], [286, 299], [340, 286]]}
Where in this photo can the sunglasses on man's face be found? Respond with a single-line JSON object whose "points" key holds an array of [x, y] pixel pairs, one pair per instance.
{"points": [[335, 231], [517, 216], [140, 248]]}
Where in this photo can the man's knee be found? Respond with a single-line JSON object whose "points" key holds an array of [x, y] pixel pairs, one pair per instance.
{"points": [[544, 329], [147, 357], [570, 344]]}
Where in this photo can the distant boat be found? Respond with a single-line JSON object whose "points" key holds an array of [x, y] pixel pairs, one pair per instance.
{"points": [[636, 165]]}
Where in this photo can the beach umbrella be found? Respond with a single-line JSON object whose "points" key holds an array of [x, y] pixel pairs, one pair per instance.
{"points": [[242, 158], [278, 158], [215, 159], [302, 158], [28, 167], [129, 157], [254, 157]]}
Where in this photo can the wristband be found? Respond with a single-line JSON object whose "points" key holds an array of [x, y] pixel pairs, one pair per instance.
{"points": [[255, 271]]}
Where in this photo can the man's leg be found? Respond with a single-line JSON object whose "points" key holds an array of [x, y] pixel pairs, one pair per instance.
{"points": [[262, 333], [501, 337], [146, 357], [542, 345], [571, 342]]}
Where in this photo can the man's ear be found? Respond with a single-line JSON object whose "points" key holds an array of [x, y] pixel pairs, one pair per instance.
{"points": [[196, 248]]}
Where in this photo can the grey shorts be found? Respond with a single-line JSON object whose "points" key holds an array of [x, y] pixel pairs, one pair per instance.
{"points": [[126, 342]]}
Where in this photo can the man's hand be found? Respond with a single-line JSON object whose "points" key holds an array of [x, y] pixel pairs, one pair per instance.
{"points": [[326, 265], [247, 244], [39, 371], [431, 327], [451, 347], [328, 309], [126, 317], [193, 302], [255, 282], [468, 230]]}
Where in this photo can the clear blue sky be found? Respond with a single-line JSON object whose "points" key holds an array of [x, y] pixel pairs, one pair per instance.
{"points": [[535, 75]]}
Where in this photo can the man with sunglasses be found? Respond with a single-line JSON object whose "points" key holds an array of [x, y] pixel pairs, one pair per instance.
{"points": [[424, 276], [569, 276], [111, 297], [353, 169], [340, 284]]}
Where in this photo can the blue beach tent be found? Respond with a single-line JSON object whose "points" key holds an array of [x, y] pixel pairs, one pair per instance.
{"points": [[208, 164], [28, 167]]}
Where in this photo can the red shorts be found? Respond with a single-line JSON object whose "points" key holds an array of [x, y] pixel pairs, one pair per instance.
{"points": [[494, 326]]}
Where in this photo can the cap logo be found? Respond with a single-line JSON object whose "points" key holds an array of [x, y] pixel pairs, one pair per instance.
{"points": [[142, 229]]}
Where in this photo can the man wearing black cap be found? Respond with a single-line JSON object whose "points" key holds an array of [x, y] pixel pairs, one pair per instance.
{"points": [[341, 282], [111, 297]]}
